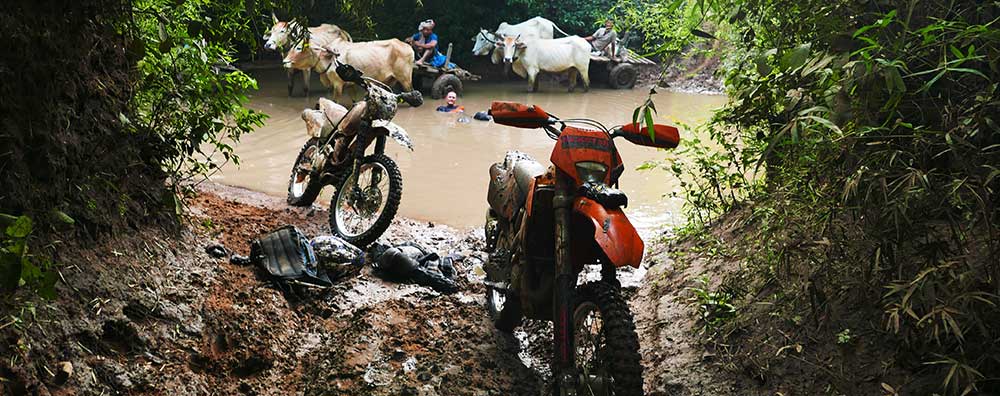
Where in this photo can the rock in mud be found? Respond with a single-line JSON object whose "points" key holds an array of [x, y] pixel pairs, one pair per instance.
{"points": [[63, 372]]}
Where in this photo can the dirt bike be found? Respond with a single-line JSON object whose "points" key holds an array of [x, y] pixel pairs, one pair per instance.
{"points": [[546, 225], [369, 187]]}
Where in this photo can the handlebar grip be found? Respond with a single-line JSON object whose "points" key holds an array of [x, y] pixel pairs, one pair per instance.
{"points": [[349, 73], [519, 115], [413, 98]]}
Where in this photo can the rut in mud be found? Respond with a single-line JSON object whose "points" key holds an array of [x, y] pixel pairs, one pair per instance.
{"points": [[153, 313]]}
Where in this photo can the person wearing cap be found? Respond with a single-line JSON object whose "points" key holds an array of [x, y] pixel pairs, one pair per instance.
{"points": [[424, 42], [603, 38]]}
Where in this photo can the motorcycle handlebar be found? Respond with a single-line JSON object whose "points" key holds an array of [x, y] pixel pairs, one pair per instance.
{"points": [[413, 98], [520, 115], [349, 74]]}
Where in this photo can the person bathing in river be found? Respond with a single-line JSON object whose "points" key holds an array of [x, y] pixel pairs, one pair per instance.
{"points": [[451, 104], [424, 42], [603, 40]]}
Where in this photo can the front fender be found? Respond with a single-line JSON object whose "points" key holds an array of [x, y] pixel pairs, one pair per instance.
{"points": [[396, 132], [613, 232]]}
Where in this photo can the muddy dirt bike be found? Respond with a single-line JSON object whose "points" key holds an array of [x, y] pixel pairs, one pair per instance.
{"points": [[545, 225], [369, 187]]}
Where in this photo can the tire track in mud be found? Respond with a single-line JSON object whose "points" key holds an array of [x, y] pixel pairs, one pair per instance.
{"points": [[364, 335], [150, 313]]}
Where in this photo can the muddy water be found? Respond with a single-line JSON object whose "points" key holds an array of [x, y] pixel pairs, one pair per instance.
{"points": [[445, 177]]}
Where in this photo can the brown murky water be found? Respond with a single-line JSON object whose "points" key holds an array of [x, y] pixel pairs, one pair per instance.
{"points": [[445, 177]]}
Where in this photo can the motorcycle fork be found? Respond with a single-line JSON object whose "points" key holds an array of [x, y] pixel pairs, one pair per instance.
{"points": [[563, 287], [376, 172], [361, 144]]}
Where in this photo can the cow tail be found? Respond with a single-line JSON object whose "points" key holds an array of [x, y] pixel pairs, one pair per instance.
{"points": [[559, 30]]}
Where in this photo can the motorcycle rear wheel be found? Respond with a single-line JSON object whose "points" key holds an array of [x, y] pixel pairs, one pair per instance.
{"points": [[606, 347], [366, 201], [303, 185]]}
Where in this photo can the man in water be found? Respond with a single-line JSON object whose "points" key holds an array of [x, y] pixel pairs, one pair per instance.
{"points": [[424, 42], [604, 39], [451, 105]]}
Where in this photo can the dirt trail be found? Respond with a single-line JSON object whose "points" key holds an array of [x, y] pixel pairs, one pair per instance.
{"points": [[676, 363], [152, 313]]}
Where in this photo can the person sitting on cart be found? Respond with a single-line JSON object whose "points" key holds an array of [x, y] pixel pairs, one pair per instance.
{"points": [[603, 40], [451, 104], [424, 42]]}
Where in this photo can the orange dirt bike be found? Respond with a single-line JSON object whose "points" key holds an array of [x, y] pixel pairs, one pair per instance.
{"points": [[369, 187], [545, 225]]}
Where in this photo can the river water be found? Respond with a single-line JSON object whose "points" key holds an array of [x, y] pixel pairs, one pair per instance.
{"points": [[445, 177]]}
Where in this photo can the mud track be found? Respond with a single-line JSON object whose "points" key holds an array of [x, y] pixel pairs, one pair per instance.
{"points": [[154, 314], [151, 313]]}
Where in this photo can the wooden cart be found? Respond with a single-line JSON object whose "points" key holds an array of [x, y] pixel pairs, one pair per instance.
{"points": [[621, 72], [440, 80]]}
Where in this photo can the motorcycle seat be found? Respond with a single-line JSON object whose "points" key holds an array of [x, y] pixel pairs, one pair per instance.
{"points": [[333, 111], [349, 124]]}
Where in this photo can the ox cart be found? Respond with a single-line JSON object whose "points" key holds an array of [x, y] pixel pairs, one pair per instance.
{"points": [[440, 80], [621, 72]]}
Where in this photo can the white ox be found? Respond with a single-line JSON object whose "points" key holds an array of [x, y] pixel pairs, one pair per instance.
{"points": [[280, 33], [529, 57], [534, 28], [385, 60]]}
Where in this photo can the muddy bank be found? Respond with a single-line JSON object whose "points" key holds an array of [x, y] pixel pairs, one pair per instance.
{"points": [[755, 349], [152, 313], [676, 360], [694, 70]]}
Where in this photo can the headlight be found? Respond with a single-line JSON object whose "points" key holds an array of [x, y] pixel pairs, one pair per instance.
{"points": [[591, 172]]}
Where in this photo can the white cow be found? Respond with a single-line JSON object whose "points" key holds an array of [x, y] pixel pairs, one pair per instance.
{"points": [[534, 28], [567, 54], [388, 61], [280, 33]]}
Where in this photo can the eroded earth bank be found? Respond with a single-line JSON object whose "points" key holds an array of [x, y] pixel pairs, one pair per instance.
{"points": [[151, 312]]}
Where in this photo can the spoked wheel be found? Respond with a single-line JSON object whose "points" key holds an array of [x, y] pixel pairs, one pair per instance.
{"points": [[304, 186], [606, 346], [366, 201]]}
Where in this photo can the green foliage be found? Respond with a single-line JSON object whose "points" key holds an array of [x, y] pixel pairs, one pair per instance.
{"points": [[714, 307], [575, 17], [665, 26], [844, 336], [183, 97], [643, 114], [19, 268], [864, 138]]}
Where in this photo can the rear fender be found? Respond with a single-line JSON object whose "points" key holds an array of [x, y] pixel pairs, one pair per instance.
{"points": [[613, 232]]}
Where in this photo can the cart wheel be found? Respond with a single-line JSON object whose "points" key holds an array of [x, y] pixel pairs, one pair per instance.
{"points": [[623, 76], [445, 83]]}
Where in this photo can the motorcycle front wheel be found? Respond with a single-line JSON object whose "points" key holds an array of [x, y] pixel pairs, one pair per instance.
{"points": [[606, 347], [366, 201], [304, 186]]}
